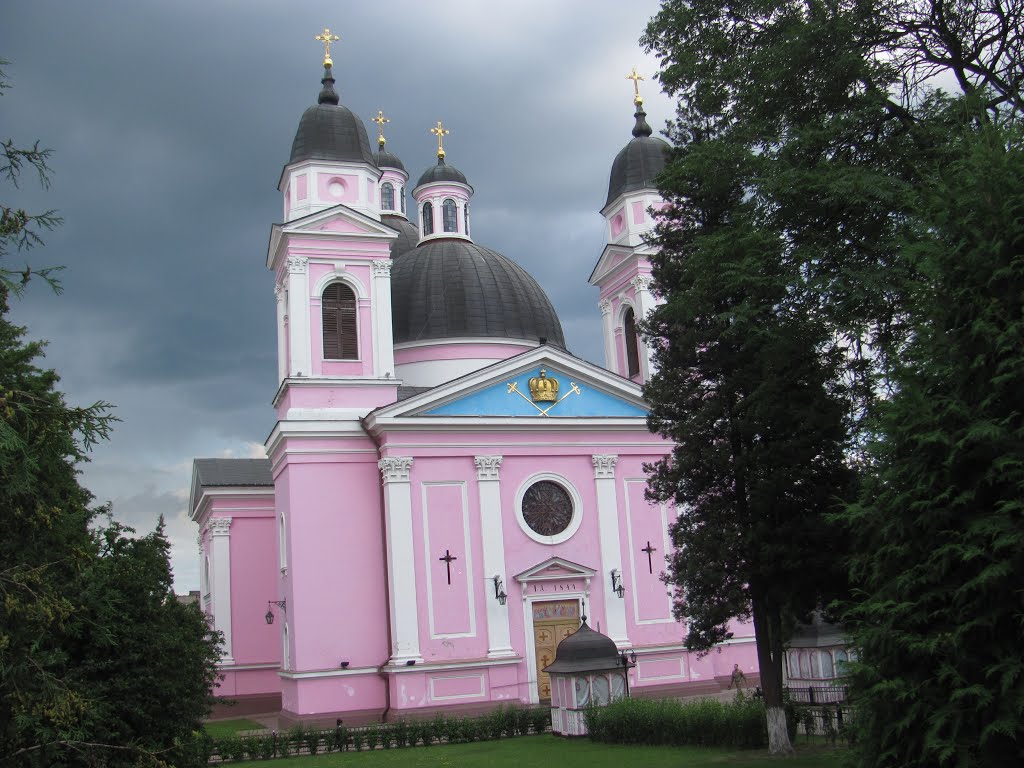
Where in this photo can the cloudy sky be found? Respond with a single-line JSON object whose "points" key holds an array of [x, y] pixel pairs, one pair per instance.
{"points": [[170, 123]]}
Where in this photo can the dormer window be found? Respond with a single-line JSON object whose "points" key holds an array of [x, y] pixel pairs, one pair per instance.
{"points": [[387, 196], [632, 346], [428, 219], [338, 308], [450, 215]]}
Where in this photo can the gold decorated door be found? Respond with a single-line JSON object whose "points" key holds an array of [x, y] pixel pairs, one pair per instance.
{"points": [[553, 621]]}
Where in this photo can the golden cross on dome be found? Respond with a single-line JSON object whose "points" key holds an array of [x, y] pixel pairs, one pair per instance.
{"points": [[327, 38], [440, 131], [636, 77], [380, 120]]}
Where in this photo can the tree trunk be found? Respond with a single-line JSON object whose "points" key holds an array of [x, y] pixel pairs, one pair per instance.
{"points": [[767, 627]]}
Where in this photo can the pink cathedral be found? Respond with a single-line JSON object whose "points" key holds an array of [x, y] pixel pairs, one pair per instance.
{"points": [[447, 489]]}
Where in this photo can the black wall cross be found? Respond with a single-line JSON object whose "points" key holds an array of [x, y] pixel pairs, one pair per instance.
{"points": [[447, 560], [649, 549]]}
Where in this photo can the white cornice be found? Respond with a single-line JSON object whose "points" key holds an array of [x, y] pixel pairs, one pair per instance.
{"points": [[441, 666], [200, 498]]}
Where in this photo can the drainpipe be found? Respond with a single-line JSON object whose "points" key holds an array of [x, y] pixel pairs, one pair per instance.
{"points": [[387, 593]]}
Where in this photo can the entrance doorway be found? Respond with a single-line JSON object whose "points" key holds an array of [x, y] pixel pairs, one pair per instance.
{"points": [[553, 621]]}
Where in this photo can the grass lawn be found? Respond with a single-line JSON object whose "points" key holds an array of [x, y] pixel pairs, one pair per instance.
{"points": [[547, 751], [221, 728]]}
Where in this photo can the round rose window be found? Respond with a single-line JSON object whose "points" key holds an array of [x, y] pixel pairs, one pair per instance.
{"points": [[547, 508]]}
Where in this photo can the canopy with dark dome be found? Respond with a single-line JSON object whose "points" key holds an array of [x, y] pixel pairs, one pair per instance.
{"points": [[442, 172], [585, 651], [639, 162], [453, 288], [330, 131]]}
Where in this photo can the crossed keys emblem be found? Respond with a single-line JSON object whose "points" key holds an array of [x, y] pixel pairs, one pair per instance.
{"points": [[513, 386]]}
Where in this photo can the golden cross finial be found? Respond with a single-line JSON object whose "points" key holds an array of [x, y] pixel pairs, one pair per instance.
{"points": [[636, 77], [440, 131], [327, 38], [380, 120]]}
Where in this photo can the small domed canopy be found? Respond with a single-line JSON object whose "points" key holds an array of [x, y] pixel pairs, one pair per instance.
{"points": [[452, 288], [385, 159], [442, 172], [408, 234], [585, 651], [639, 162], [330, 131]]}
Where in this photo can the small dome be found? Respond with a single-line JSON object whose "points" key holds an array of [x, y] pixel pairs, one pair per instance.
{"points": [[639, 162], [408, 234], [452, 288], [330, 131], [385, 159], [584, 651], [442, 172]]}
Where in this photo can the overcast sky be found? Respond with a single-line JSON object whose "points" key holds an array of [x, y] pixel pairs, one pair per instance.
{"points": [[170, 123]]}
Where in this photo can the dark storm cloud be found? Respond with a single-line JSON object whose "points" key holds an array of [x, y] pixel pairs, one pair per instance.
{"points": [[170, 124]]}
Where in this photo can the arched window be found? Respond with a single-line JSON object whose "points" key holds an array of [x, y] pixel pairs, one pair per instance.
{"points": [[401, 198], [465, 215], [387, 196], [450, 215], [428, 219], [338, 306], [632, 348]]}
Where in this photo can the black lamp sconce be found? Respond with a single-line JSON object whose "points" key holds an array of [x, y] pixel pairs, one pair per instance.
{"points": [[269, 616], [617, 587], [499, 591], [627, 660]]}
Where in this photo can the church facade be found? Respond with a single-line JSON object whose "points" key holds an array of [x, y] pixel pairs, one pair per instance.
{"points": [[447, 490]]}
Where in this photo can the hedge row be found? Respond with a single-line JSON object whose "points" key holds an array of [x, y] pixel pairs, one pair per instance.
{"points": [[501, 722], [739, 724]]}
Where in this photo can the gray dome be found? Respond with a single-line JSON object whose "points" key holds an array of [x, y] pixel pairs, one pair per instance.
{"points": [[442, 172], [408, 234], [585, 650], [329, 131], [452, 288], [385, 159], [639, 162]]}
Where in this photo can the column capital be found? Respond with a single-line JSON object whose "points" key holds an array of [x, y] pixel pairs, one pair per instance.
{"points": [[219, 526], [487, 467], [605, 306], [381, 267], [641, 282], [297, 265], [604, 466], [279, 292], [395, 469]]}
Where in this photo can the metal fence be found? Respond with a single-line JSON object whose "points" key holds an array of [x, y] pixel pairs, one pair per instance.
{"points": [[818, 694]]}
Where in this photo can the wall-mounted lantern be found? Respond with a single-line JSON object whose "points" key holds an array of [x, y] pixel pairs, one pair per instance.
{"points": [[617, 587], [499, 591], [269, 616]]}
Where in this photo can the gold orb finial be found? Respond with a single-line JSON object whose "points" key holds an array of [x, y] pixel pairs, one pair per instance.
{"points": [[380, 120], [440, 131], [327, 38], [636, 77]]}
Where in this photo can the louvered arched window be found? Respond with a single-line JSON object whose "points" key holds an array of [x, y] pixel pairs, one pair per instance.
{"points": [[428, 219], [450, 214], [632, 346], [387, 196], [339, 316]]}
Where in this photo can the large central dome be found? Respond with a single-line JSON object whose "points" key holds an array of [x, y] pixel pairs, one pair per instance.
{"points": [[453, 288]]}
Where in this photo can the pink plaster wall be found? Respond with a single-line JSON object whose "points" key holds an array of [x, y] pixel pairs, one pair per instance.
{"points": [[301, 187], [639, 214], [350, 182], [253, 582]]}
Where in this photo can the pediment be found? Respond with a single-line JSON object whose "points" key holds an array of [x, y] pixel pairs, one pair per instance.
{"points": [[612, 257], [338, 222], [555, 569], [571, 389]]}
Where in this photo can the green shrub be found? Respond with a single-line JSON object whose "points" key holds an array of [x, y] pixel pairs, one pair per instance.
{"points": [[702, 723]]}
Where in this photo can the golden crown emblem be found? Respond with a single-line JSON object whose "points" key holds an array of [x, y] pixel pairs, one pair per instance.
{"points": [[543, 389]]}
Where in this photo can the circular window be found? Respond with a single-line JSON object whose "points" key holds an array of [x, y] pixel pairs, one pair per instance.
{"points": [[549, 509]]}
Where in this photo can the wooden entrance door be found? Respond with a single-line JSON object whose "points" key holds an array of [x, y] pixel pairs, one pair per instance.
{"points": [[553, 621]]}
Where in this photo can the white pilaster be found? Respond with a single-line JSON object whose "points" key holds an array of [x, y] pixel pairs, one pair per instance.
{"points": [[383, 335], [611, 551], [281, 295], [645, 303], [499, 638], [220, 549], [298, 316], [608, 330], [405, 638]]}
